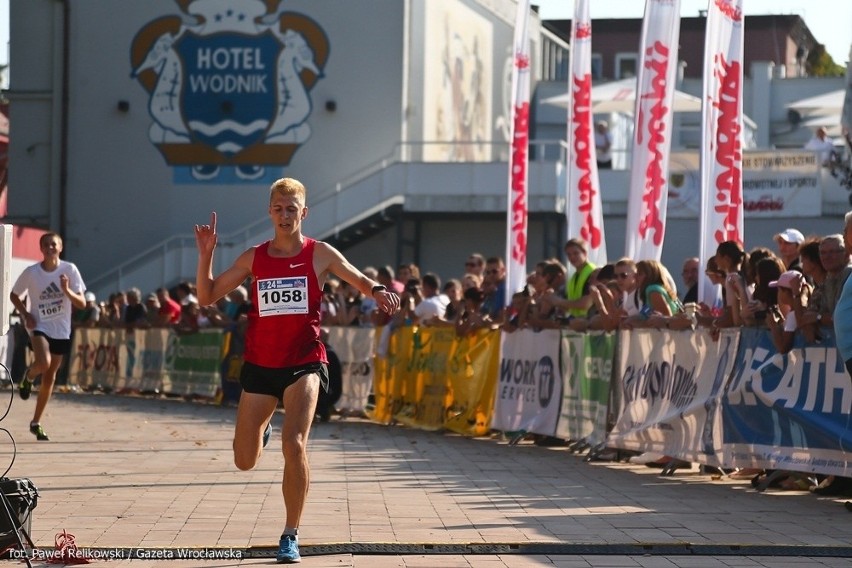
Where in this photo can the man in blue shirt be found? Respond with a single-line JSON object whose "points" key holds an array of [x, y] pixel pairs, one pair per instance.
{"points": [[843, 309]]}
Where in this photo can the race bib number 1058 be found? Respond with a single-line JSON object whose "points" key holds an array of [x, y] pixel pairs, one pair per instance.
{"points": [[282, 296]]}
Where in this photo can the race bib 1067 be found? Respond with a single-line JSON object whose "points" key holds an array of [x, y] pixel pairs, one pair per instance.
{"points": [[282, 296]]}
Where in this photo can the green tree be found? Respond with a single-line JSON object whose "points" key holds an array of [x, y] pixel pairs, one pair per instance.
{"points": [[820, 63]]}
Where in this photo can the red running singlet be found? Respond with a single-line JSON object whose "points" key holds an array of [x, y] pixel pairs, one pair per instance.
{"points": [[284, 321]]}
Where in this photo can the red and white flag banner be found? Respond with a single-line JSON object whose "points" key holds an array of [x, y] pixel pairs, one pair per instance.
{"points": [[583, 209], [721, 133], [516, 218], [652, 131]]}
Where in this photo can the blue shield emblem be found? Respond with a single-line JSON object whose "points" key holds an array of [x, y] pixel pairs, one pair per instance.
{"points": [[229, 95]]}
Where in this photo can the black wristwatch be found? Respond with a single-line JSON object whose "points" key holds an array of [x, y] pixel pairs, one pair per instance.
{"points": [[378, 288]]}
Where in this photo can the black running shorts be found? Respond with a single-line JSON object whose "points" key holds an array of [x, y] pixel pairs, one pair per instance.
{"points": [[55, 346], [273, 381]]}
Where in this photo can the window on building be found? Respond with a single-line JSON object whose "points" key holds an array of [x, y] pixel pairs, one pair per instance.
{"points": [[597, 66], [626, 65]]}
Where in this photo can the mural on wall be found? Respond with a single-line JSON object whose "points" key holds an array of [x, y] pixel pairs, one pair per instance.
{"points": [[457, 84], [229, 84]]}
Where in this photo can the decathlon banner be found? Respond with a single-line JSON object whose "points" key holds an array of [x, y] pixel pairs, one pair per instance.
{"points": [[668, 382], [789, 412], [721, 134], [586, 377], [652, 130], [516, 206], [354, 348], [529, 386], [583, 210], [472, 376]]}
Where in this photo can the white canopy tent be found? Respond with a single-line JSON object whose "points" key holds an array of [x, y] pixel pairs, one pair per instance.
{"points": [[620, 96], [821, 110]]}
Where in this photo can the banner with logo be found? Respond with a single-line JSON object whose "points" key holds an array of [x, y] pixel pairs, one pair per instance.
{"points": [[775, 184], [587, 361], [670, 383], [97, 358], [146, 351], [516, 209], [722, 204], [354, 348], [193, 363], [529, 386], [789, 412], [472, 376], [583, 209], [419, 368], [652, 131]]}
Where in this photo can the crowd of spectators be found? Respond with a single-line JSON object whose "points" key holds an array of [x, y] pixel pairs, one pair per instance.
{"points": [[790, 290], [177, 309]]}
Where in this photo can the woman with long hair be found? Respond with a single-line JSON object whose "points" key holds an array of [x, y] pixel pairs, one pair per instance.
{"points": [[731, 257]]}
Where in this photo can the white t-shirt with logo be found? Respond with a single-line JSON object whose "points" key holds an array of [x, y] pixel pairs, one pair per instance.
{"points": [[436, 306], [46, 301]]}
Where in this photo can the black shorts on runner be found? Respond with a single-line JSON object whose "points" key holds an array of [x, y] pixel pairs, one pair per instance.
{"points": [[55, 346], [272, 381]]}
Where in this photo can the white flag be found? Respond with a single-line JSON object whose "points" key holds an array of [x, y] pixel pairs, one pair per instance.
{"points": [[583, 210], [721, 134], [516, 218], [652, 132]]}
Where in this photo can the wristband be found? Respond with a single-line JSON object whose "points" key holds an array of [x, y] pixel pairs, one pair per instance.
{"points": [[378, 288]]}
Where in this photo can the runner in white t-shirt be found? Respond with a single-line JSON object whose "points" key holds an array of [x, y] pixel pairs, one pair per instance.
{"points": [[51, 288]]}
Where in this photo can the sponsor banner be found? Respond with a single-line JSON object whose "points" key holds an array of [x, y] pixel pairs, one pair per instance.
{"points": [[789, 412], [472, 375], [529, 385], [354, 348], [422, 367], [586, 377], [193, 363], [775, 184], [145, 363], [669, 386], [98, 357]]}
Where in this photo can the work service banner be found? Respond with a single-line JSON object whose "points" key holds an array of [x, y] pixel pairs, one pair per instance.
{"points": [[586, 378], [789, 412], [529, 385], [667, 381]]}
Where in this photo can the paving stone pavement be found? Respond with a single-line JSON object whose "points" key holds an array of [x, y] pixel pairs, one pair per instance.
{"points": [[155, 475]]}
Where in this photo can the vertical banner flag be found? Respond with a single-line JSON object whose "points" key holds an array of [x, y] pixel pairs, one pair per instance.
{"points": [[583, 210], [652, 131], [721, 217], [516, 207]]}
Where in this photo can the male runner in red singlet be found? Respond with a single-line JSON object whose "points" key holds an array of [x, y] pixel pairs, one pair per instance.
{"points": [[284, 357]]}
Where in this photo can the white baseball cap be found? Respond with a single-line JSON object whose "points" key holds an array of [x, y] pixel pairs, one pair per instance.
{"points": [[791, 236]]}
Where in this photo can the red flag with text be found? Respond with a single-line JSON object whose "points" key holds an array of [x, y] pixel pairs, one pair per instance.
{"points": [[583, 210], [647, 199], [721, 216], [516, 218]]}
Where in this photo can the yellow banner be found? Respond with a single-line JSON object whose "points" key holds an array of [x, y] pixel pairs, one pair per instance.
{"points": [[472, 375]]}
